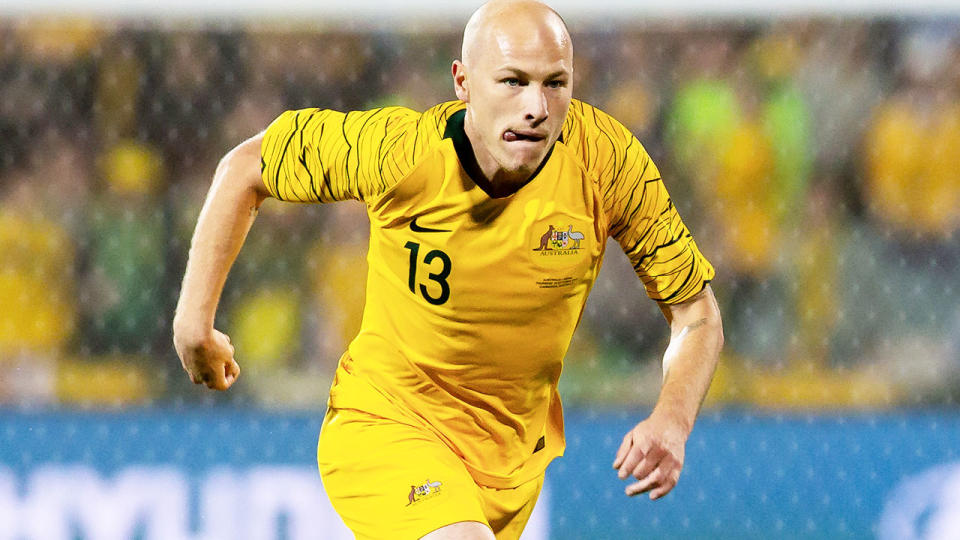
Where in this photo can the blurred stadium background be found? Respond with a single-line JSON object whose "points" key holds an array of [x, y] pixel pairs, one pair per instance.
{"points": [[812, 149]]}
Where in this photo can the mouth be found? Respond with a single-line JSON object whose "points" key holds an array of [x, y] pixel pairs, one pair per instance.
{"points": [[512, 135]]}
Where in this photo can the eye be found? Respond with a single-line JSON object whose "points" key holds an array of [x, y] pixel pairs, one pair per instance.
{"points": [[511, 81], [556, 83]]}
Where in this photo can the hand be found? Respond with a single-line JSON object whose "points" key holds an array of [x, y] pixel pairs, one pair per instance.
{"points": [[652, 452], [208, 360]]}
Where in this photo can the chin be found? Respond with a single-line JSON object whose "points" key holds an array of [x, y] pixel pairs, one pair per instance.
{"points": [[520, 169], [523, 165]]}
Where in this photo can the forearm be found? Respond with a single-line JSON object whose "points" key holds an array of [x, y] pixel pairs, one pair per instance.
{"points": [[227, 215], [690, 361], [653, 451]]}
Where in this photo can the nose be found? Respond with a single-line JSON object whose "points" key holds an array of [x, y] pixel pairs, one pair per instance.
{"points": [[535, 103]]}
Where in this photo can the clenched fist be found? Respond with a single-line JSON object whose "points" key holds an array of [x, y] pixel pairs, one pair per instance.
{"points": [[208, 359]]}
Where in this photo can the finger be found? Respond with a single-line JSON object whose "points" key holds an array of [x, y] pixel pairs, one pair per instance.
{"points": [[622, 452], [651, 481], [648, 463], [233, 368], [232, 372], [665, 487], [218, 381], [630, 462]]}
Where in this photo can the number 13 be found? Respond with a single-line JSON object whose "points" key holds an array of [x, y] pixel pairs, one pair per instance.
{"points": [[440, 277]]}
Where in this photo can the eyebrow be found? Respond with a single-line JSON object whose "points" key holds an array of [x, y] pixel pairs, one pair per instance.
{"points": [[523, 74]]}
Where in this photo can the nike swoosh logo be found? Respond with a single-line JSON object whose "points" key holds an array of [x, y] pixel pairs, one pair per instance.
{"points": [[417, 228]]}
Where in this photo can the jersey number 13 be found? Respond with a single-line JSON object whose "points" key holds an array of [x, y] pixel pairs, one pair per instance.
{"points": [[439, 277]]}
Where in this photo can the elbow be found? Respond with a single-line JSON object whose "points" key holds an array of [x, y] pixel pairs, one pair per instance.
{"points": [[241, 167]]}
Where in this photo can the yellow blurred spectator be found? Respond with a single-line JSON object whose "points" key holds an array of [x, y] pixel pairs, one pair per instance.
{"points": [[337, 272], [266, 328], [59, 39], [743, 142], [36, 290], [747, 200], [109, 381], [912, 178], [37, 293], [913, 181], [132, 169], [38, 219]]}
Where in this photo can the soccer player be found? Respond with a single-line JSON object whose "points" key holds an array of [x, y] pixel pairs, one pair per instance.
{"points": [[489, 216]]}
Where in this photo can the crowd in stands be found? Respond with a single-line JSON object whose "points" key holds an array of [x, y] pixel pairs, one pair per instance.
{"points": [[812, 158]]}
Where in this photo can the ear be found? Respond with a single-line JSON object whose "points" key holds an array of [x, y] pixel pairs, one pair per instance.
{"points": [[460, 84]]}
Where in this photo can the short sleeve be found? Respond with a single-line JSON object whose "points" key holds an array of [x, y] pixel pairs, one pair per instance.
{"points": [[658, 244], [319, 155], [641, 215]]}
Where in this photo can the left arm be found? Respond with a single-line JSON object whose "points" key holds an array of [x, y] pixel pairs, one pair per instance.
{"points": [[645, 222], [653, 451]]}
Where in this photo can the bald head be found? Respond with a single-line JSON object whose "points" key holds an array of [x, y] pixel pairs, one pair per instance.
{"points": [[500, 26]]}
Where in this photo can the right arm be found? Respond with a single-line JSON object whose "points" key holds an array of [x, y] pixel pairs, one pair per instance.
{"points": [[231, 206], [310, 155]]}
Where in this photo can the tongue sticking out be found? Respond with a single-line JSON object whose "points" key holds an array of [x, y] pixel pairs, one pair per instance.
{"points": [[512, 136]]}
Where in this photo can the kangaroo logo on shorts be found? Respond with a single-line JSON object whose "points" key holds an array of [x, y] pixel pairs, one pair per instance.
{"points": [[425, 490]]}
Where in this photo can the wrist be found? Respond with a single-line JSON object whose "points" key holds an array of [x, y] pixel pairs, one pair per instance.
{"points": [[191, 333], [674, 416]]}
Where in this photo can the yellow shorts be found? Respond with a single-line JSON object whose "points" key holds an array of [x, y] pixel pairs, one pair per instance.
{"points": [[390, 480]]}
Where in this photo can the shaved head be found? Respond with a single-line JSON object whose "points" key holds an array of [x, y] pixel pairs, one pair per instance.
{"points": [[499, 22]]}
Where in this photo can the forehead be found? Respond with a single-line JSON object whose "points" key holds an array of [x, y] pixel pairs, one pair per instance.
{"points": [[509, 49], [528, 46]]}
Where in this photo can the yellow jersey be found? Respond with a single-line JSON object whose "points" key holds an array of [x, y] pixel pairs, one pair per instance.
{"points": [[472, 300]]}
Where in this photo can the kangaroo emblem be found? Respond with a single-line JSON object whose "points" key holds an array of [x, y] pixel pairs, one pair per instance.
{"points": [[423, 490], [545, 240]]}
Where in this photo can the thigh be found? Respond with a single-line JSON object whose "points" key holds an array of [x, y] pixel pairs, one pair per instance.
{"points": [[391, 480], [465, 530]]}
